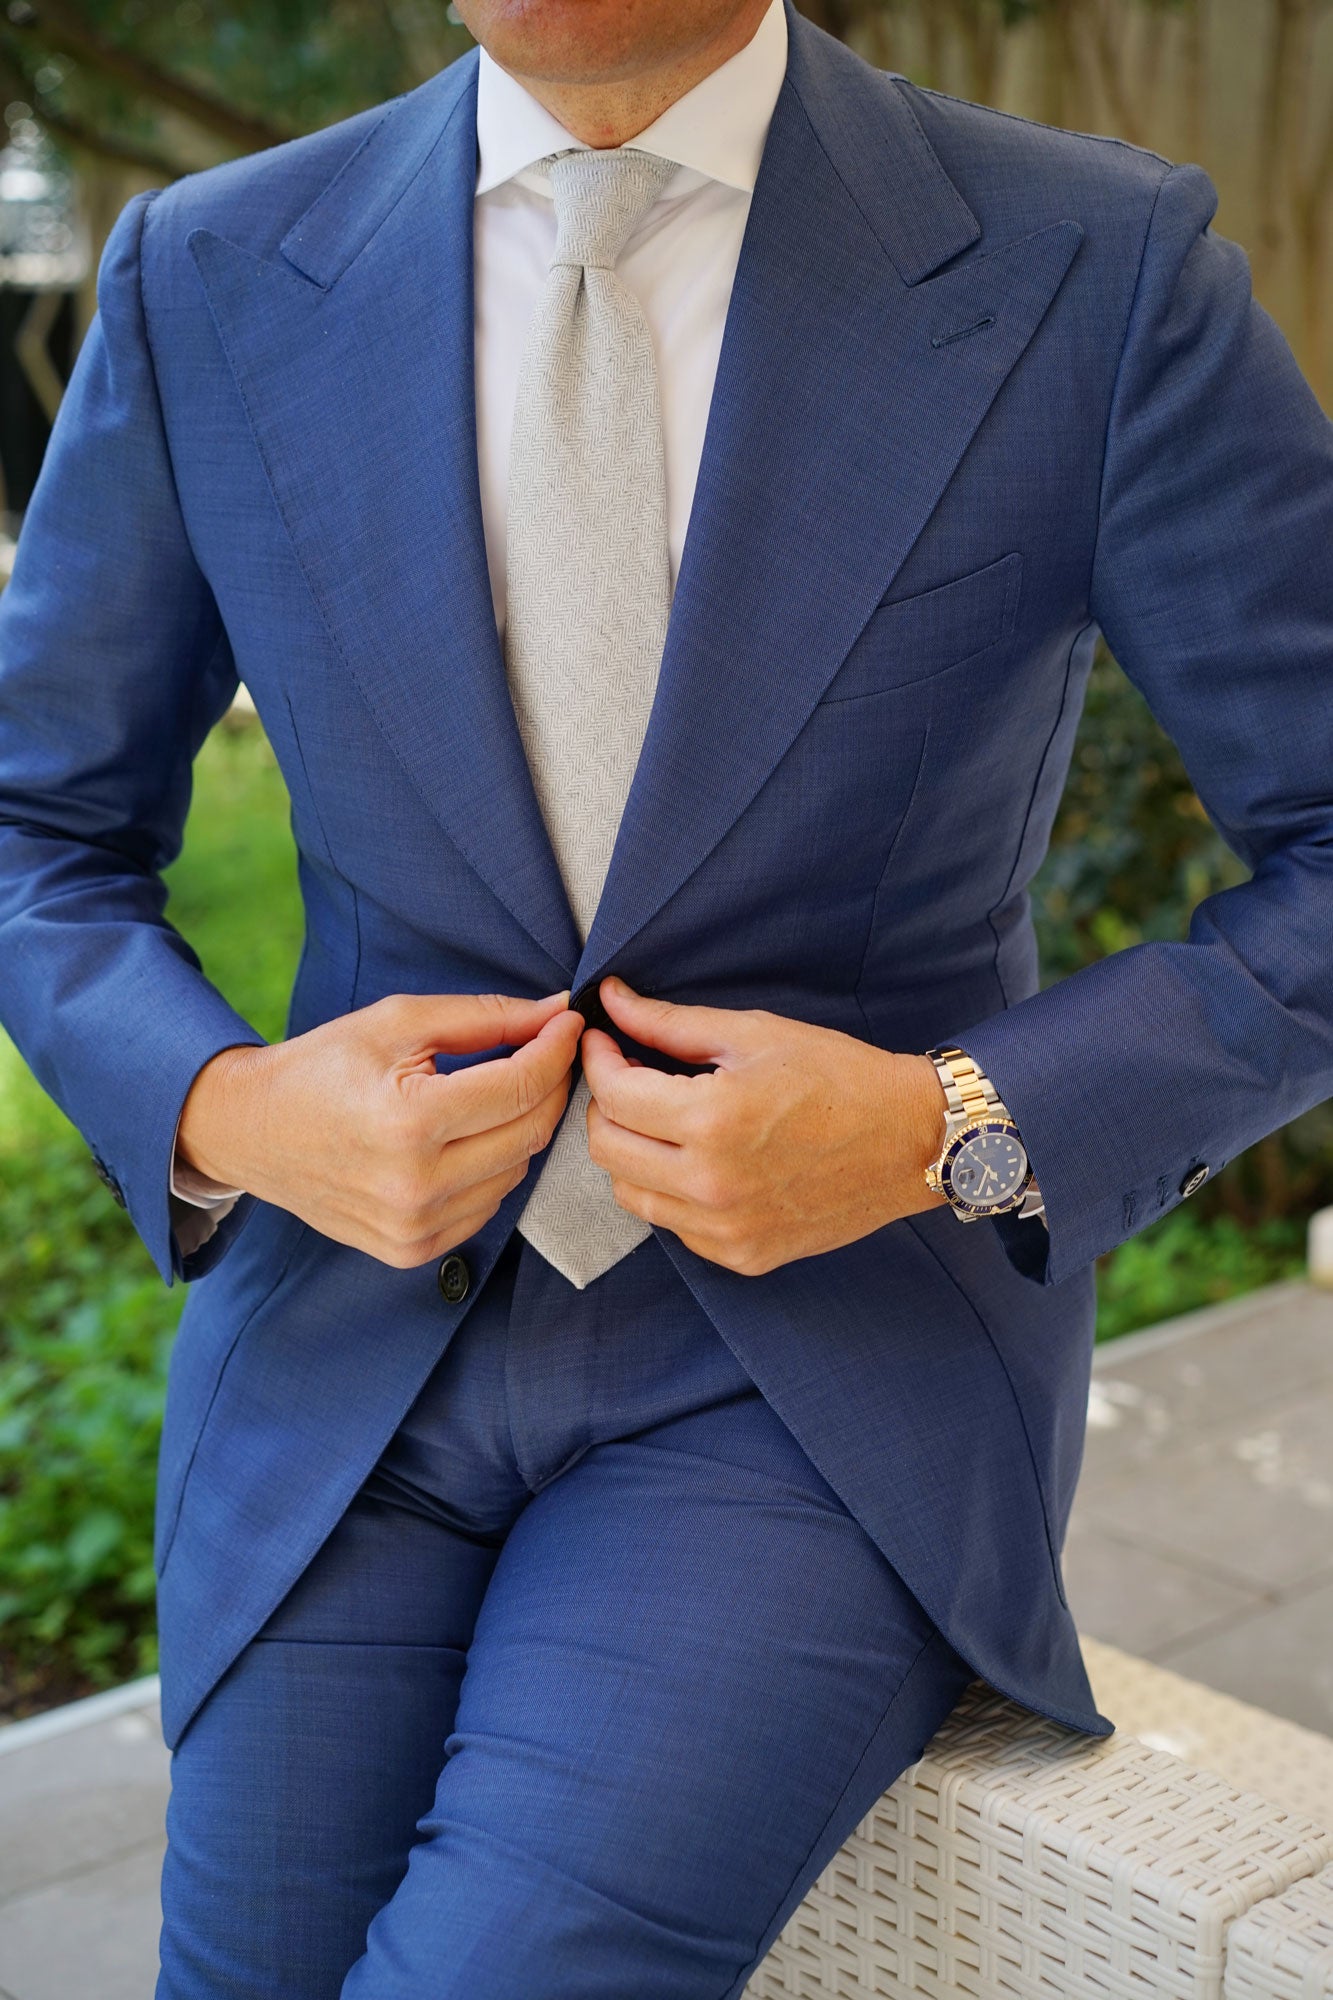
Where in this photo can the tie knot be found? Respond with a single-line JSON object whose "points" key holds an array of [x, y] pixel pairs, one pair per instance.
{"points": [[599, 196]]}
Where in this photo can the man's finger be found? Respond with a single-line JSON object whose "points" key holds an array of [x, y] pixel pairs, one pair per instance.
{"points": [[469, 1157], [697, 1034], [631, 1156], [651, 1101], [491, 1093], [461, 1023]]}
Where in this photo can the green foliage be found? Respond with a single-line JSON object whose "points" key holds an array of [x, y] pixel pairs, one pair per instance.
{"points": [[86, 1323], [233, 890], [1132, 853], [177, 85], [87, 1330], [1186, 1260]]}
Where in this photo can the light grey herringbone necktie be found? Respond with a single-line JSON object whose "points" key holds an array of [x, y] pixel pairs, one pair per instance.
{"points": [[588, 595]]}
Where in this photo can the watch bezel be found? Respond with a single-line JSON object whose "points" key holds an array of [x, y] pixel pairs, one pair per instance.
{"points": [[971, 1130]]}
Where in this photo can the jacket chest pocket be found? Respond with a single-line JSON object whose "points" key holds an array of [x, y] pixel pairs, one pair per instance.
{"points": [[910, 639]]}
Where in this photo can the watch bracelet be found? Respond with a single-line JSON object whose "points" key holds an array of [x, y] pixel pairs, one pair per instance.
{"points": [[969, 1093]]}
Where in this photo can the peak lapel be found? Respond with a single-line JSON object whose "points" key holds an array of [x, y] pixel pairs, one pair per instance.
{"points": [[354, 359], [836, 423]]}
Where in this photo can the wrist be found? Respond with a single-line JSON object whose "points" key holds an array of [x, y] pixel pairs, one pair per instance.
{"points": [[914, 1130], [929, 1112], [215, 1135]]}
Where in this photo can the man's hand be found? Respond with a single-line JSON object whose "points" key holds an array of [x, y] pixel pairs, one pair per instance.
{"points": [[802, 1139], [353, 1128]]}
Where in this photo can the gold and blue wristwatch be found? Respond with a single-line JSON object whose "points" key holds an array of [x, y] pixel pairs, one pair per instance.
{"points": [[982, 1168]]}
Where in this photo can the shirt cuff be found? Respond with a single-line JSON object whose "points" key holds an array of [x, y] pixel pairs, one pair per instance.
{"points": [[1032, 1206], [196, 1188], [194, 1224]]}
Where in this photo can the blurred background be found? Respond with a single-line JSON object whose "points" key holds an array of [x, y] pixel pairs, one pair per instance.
{"points": [[103, 97]]}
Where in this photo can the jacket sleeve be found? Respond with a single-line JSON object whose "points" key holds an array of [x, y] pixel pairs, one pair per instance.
{"points": [[113, 668], [1212, 583]]}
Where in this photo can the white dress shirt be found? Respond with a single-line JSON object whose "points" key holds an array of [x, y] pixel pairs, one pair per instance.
{"points": [[680, 262]]}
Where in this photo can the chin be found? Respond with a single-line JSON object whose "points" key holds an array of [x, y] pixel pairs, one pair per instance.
{"points": [[589, 41]]}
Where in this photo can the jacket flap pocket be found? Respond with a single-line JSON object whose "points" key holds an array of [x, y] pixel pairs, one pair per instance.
{"points": [[908, 639]]}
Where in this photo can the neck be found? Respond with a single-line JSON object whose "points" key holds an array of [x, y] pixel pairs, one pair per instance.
{"points": [[613, 110]]}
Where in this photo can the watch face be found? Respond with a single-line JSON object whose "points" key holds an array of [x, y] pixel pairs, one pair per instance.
{"points": [[987, 1167]]}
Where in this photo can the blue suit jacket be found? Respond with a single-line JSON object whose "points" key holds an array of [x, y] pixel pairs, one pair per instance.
{"points": [[986, 386]]}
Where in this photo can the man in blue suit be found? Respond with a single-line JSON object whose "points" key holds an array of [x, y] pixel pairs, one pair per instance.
{"points": [[556, 1562]]}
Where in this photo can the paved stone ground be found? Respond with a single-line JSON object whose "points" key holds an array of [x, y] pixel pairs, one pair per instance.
{"points": [[1202, 1538], [81, 1854], [1202, 1535]]}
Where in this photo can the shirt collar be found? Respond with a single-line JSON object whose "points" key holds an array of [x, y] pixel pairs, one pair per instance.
{"points": [[717, 129]]}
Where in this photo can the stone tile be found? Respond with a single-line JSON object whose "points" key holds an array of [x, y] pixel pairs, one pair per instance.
{"points": [[93, 1937], [1278, 1656], [1137, 1599], [1249, 1501], [1264, 1350], [81, 1798]]}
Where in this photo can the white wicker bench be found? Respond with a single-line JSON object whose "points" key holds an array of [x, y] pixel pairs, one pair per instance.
{"points": [[1189, 1856], [1282, 1949]]}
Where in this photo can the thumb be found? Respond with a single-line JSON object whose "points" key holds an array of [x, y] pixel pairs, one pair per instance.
{"points": [[698, 1034]]}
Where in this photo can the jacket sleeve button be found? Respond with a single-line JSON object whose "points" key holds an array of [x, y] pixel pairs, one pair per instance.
{"points": [[454, 1277], [108, 1180], [1194, 1179]]}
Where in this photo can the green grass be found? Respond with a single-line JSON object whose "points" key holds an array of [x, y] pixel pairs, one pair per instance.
{"points": [[233, 891], [233, 895], [86, 1323]]}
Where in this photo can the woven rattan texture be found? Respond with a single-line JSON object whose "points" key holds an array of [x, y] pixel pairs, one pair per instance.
{"points": [[1021, 1861], [1259, 1752], [1283, 1949]]}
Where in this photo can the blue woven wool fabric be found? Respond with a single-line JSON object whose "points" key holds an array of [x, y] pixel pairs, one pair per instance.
{"points": [[594, 1644], [987, 387]]}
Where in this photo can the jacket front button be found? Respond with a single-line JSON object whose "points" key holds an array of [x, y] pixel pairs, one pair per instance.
{"points": [[1193, 1180], [588, 1002], [454, 1277]]}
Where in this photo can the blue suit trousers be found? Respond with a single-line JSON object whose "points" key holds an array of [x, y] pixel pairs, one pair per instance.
{"points": [[591, 1679]]}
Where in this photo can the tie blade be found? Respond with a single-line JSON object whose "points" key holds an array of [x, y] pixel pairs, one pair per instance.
{"points": [[571, 1217], [588, 600]]}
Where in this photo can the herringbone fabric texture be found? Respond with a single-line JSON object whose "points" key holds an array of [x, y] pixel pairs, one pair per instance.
{"points": [[588, 598]]}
